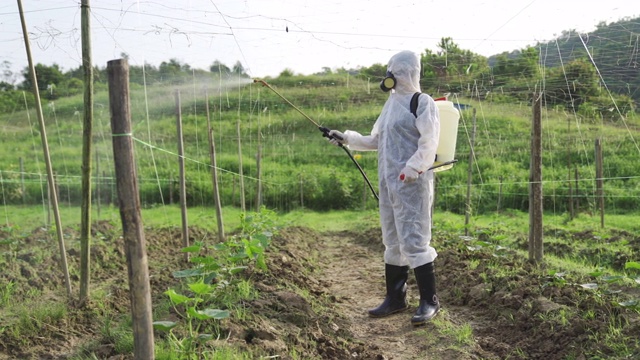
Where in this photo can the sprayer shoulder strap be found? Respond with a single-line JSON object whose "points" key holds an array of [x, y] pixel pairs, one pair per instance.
{"points": [[413, 106]]}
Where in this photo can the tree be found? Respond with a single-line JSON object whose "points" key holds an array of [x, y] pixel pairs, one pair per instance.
{"points": [[238, 69], [375, 71], [47, 76], [7, 74], [517, 65], [5, 86], [572, 84], [171, 71], [451, 68], [219, 68]]}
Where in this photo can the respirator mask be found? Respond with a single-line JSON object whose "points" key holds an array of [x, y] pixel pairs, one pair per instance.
{"points": [[388, 83]]}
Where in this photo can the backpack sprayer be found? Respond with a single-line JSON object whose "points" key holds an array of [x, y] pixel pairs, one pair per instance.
{"points": [[325, 133]]}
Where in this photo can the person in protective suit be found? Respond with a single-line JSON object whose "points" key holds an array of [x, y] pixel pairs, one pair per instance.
{"points": [[406, 145]]}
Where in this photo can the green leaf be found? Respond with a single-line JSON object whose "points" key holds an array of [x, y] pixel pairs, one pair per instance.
{"points": [[215, 313], [237, 269], [612, 278], [192, 249], [208, 314], [196, 314], [201, 288], [204, 337], [210, 277], [188, 273], [596, 273], [590, 286], [204, 260], [632, 265], [164, 325], [260, 262], [630, 303], [176, 298]]}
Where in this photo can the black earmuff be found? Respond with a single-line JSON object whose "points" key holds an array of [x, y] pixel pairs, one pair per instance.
{"points": [[388, 83]]}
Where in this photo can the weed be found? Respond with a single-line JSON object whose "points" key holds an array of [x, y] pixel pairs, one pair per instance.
{"points": [[6, 293]]}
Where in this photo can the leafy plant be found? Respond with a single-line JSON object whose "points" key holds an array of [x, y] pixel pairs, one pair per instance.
{"points": [[211, 278]]}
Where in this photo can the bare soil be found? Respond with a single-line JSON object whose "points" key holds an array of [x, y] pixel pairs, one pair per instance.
{"points": [[314, 297]]}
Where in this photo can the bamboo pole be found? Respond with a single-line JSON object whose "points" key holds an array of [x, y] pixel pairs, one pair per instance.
{"points": [[535, 184], [214, 172], [87, 133], [47, 158], [183, 185], [129, 202]]}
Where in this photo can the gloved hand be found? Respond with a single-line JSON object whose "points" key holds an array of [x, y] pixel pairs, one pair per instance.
{"points": [[408, 175], [337, 138]]}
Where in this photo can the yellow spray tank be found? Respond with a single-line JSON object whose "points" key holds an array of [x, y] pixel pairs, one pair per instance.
{"points": [[449, 118]]}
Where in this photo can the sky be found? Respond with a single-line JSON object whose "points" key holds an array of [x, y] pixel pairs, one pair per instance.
{"points": [[269, 36]]}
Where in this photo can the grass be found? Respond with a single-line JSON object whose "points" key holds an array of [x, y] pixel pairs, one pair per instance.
{"points": [[507, 230]]}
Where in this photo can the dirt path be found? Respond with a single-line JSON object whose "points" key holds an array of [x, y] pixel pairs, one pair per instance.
{"points": [[353, 270]]}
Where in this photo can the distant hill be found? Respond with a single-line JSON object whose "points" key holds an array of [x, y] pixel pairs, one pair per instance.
{"points": [[614, 48]]}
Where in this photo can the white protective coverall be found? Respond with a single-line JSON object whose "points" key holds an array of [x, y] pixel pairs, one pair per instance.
{"points": [[402, 140]]}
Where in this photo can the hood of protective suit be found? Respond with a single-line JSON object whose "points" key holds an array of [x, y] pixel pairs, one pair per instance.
{"points": [[405, 67]]}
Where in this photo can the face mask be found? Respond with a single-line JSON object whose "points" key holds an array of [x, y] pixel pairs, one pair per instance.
{"points": [[388, 83]]}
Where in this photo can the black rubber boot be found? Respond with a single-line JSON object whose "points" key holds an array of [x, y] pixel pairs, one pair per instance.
{"points": [[396, 299], [429, 305]]}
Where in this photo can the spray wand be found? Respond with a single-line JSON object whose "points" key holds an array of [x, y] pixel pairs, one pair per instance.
{"points": [[325, 133]]}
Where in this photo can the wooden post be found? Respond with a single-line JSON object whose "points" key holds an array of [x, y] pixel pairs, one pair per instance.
{"points": [[535, 184], [183, 185], [129, 201], [214, 172], [240, 171], [47, 158], [467, 213], [87, 133], [599, 181]]}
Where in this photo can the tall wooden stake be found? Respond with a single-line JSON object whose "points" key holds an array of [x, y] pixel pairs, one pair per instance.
{"points": [[87, 133], [47, 158], [214, 172], [535, 184], [467, 214], [129, 201], [183, 185]]}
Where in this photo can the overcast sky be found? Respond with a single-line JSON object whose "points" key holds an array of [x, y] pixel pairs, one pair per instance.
{"points": [[268, 36]]}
